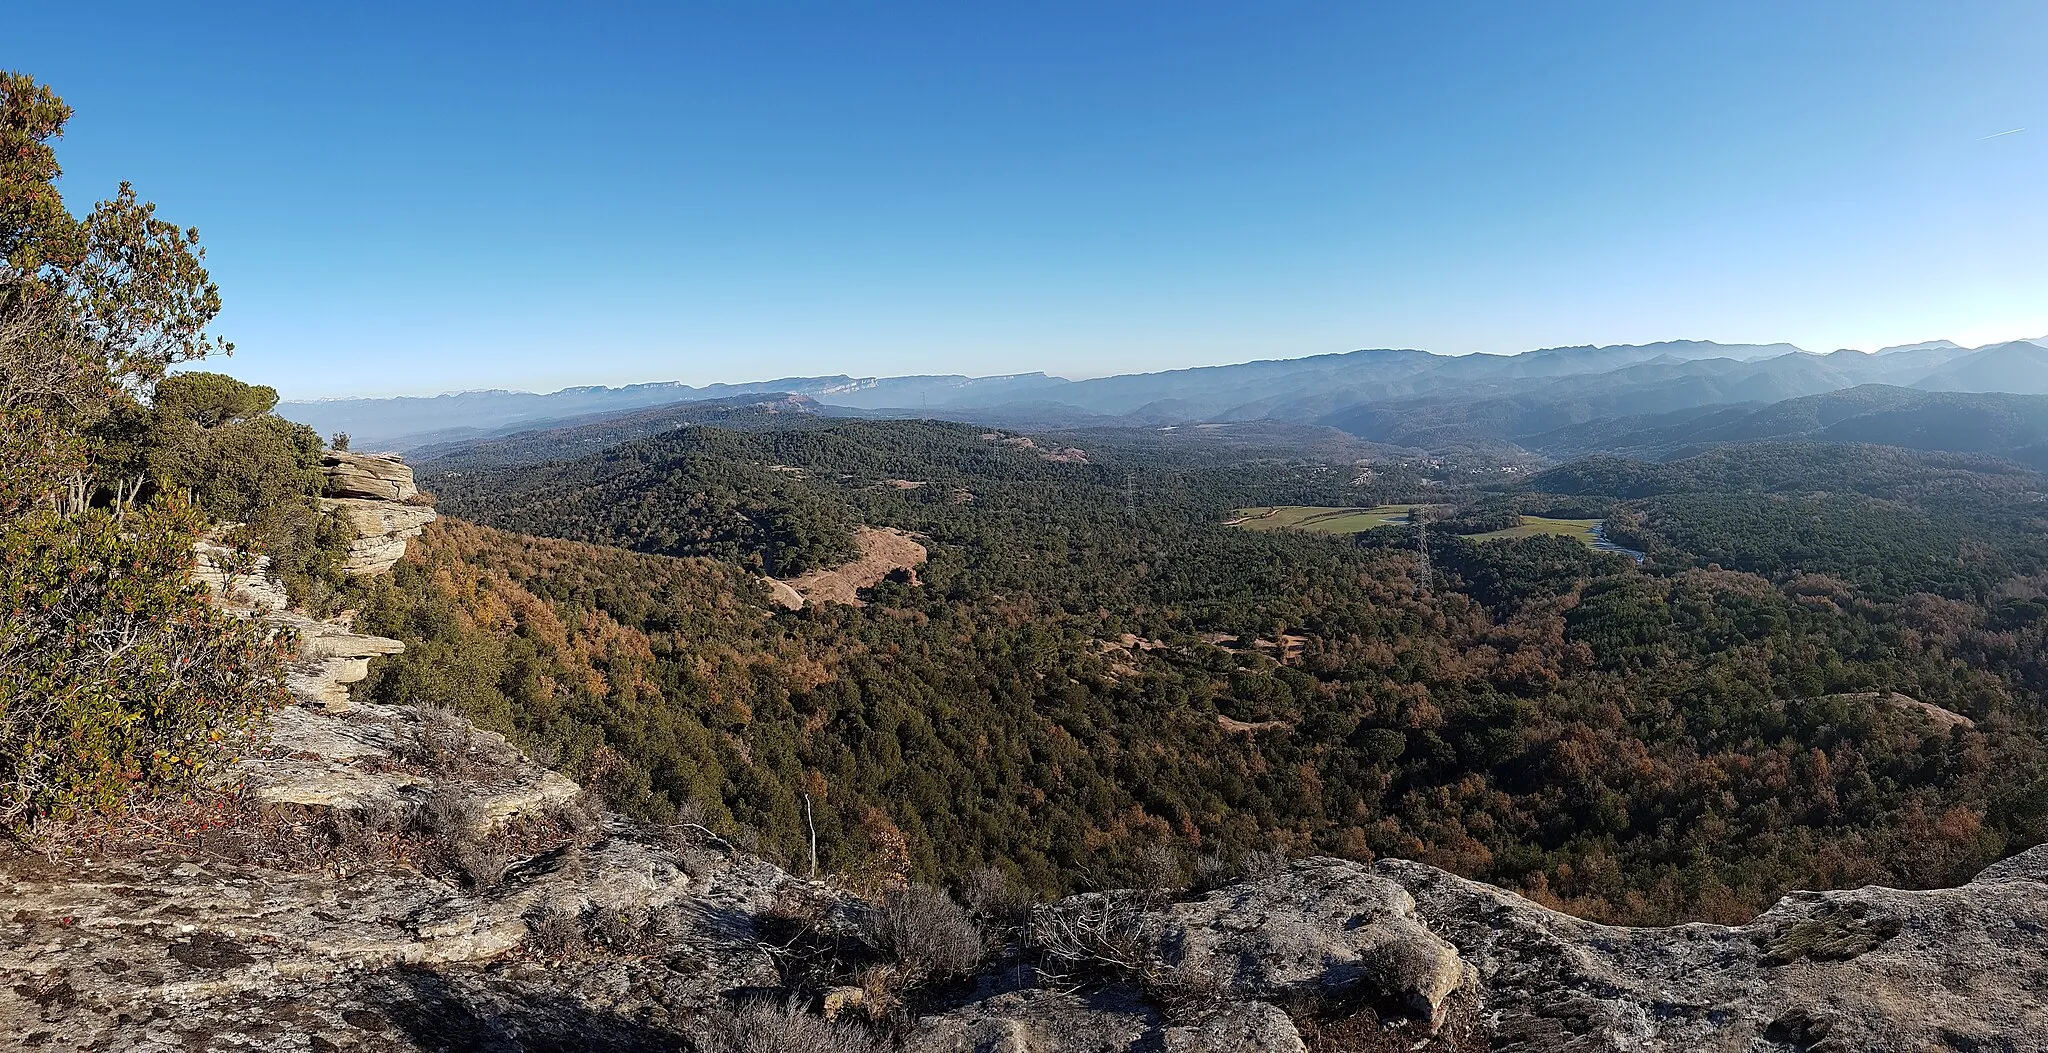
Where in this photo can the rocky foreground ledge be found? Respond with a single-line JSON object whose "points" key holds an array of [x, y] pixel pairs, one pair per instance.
{"points": [[329, 920], [1871, 969]]}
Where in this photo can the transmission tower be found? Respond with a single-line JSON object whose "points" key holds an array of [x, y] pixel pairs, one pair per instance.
{"points": [[1130, 498], [1424, 573]]}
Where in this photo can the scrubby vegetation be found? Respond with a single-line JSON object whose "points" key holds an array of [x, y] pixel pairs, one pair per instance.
{"points": [[115, 676], [769, 1027], [926, 935]]}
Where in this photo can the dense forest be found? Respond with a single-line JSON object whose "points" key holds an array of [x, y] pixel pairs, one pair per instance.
{"points": [[1094, 682], [1893, 521]]}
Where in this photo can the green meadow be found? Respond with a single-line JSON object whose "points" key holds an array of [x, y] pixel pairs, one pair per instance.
{"points": [[1323, 519], [1319, 518], [1583, 529]]}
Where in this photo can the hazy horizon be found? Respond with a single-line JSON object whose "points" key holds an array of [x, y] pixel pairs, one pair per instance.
{"points": [[226, 365], [401, 198]]}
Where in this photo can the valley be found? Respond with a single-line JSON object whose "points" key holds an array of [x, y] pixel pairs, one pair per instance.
{"points": [[963, 579], [1515, 717]]}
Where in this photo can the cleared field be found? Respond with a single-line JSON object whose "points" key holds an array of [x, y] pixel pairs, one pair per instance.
{"points": [[1321, 519], [1585, 530]]}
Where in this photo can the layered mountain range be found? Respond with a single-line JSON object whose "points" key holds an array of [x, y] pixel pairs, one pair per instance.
{"points": [[1405, 398]]}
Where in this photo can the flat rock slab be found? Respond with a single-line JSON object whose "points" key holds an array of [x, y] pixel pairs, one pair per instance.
{"points": [[1043, 1021], [1870, 969], [376, 476], [1053, 1021], [357, 759], [1326, 925], [146, 954], [1324, 928], [319, 758]]}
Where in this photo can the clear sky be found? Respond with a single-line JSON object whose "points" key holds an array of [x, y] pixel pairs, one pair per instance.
{"points": [[419, 197]]}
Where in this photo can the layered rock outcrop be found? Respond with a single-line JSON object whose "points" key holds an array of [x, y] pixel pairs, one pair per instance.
{"points": [[374, 494], [369, 476], [331, 655], [381, 530]]}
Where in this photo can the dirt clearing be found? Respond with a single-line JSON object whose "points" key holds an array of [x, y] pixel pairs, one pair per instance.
{"points": [[883, 551]]}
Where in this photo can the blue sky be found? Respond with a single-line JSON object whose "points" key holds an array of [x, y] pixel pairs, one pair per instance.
{"points": [[405, 199]]}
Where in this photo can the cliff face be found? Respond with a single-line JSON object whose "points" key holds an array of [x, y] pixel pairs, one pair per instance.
{"points": [[387, 879]]}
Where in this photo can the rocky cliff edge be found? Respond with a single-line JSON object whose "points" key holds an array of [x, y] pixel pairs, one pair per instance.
{"points": [[175, 950]]}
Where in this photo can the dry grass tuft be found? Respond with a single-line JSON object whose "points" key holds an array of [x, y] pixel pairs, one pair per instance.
{"points": [[929, 936], [766, 1027]]}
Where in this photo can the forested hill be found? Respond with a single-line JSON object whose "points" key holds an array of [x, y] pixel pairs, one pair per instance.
{"points": [[2005, 425], [786, 498], [581, 436], [1093, 678], [1893, 521], [1797, 467]]}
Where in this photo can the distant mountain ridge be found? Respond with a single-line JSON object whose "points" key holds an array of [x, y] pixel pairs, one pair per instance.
{"points": [[1394, 396], [409, 421], [2001, 424], [580, 436], [2019, 366]]}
